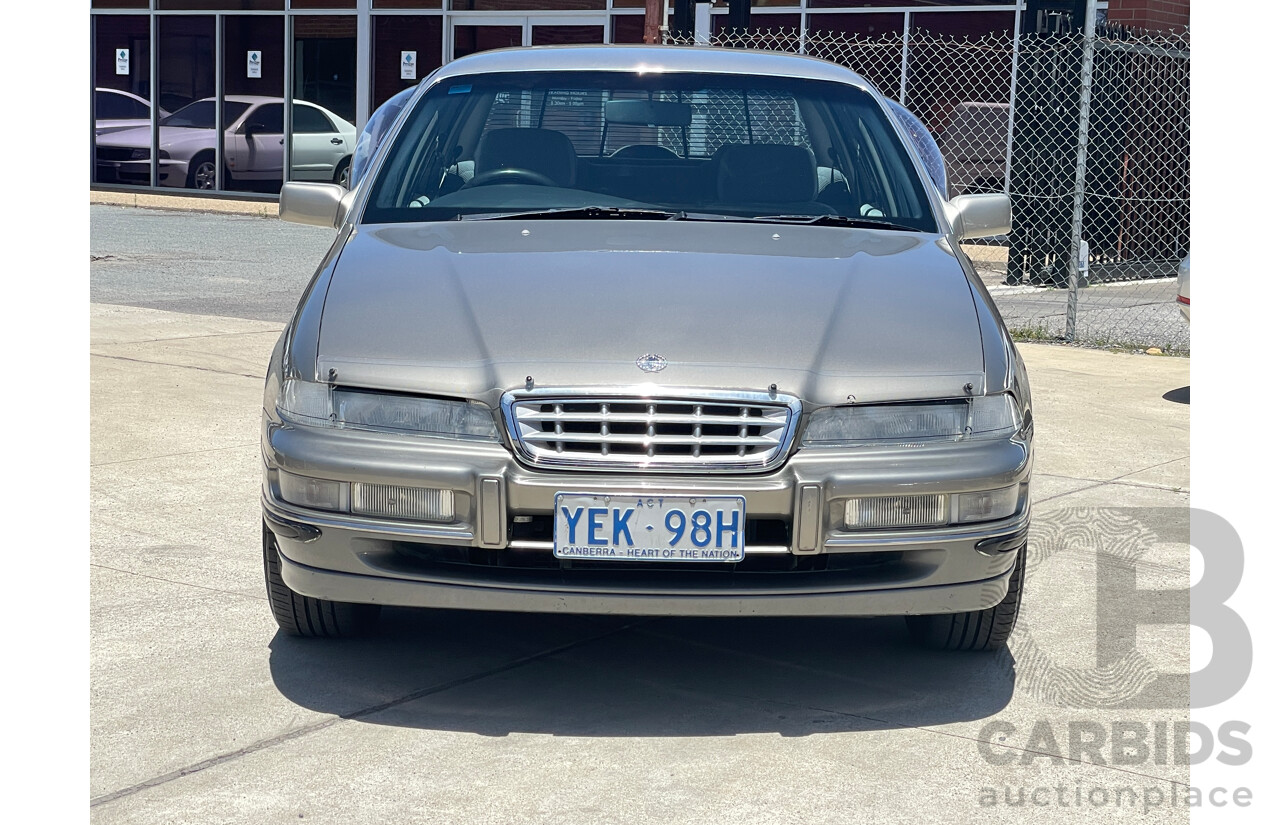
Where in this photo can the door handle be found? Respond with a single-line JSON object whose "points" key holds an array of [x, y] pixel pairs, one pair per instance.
{"points": [[336, 141], [282, 141]]}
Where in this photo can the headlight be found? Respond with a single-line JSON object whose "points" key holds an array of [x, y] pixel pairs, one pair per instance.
{"points": [[140, 154], [306, 402], [928, 510], [987, 417]]}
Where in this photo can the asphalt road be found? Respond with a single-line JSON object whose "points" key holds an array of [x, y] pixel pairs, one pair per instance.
{"points": [[233, 266], [202, 712]]}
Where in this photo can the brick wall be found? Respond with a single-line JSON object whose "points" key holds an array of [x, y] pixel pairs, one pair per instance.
{"points": [[1150, 14]]}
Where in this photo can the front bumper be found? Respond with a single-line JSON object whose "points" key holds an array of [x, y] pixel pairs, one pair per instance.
{"points": [[172, 172], [798, 561]]}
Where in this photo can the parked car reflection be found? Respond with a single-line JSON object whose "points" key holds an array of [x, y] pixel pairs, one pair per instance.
{"points": [[253, 149], [115, 111]]}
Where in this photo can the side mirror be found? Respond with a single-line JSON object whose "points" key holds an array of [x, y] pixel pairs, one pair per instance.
{"points": [[313, 204], [980, 216]]}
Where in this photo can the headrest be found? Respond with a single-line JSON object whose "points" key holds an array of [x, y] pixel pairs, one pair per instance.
{"points": [[765, 173], [545, 151]]}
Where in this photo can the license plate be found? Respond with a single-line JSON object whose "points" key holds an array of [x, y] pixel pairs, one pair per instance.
{"points": [[645, 527]]}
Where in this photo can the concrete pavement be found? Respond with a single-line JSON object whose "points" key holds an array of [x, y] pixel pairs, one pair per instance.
{"points": [[202, 712]]}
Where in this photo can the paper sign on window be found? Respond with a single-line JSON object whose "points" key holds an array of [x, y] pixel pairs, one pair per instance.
{"points": [[122, 61], [255, 63], [408, 65]]}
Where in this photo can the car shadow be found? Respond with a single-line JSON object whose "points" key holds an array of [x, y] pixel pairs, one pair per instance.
{"points": [[1182, 395], [498, 673]]}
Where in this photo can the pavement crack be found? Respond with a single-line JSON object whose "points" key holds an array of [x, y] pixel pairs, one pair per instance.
{"points": [[171, 455], [1152, 467], [174, 581], [275, 331], [271, 742], [1120, 480], [180, 366]]}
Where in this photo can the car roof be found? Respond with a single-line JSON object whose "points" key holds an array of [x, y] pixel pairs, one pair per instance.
{"points": [[651, 59]]}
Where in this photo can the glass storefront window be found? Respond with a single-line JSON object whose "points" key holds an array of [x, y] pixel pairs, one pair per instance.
{"points": [[395, 34], [876, 25], [407, 4], [760, 24], [968, 24], [122, 99], [253, 138], [627, 28], [549, 34], [187, 74], [469, 39], [324, 97]]}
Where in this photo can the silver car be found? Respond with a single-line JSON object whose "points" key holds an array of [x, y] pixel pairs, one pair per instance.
{"points": [[651, 331], [252, 149]]}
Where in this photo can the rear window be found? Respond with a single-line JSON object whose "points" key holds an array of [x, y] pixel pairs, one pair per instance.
{"points": [[721, 144]]}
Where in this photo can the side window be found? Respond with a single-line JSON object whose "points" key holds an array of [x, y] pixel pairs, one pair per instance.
{"points": [[310, 120], [270, 117], [105, 106], [108, 106]]}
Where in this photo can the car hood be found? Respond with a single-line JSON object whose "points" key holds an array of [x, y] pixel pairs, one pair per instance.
{"points": [[472, 308], [171, 138]]}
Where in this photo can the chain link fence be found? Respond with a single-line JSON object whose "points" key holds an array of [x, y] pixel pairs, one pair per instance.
{"points": [[1090, 137]]}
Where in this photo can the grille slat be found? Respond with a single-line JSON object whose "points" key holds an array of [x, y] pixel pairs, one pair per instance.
{"points": [[670, 434]]}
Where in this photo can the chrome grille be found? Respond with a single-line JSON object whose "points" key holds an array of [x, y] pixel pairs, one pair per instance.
{"points": [[718, 432]]}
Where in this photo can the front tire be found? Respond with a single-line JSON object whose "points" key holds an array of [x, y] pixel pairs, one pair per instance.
{"points": [[299, 615], [975, 630], [342, 176], [202, 173]]}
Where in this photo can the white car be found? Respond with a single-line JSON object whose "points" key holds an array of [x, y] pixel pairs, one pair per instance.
{"points": [[115, 111], [1184, 288], [253, 148]]}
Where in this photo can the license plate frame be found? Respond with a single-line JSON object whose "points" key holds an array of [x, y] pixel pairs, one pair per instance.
{"points": [[650, 528]]}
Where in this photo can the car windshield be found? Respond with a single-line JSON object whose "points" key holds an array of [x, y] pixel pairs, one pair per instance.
{"points": [[201, 114], [636, 145]]}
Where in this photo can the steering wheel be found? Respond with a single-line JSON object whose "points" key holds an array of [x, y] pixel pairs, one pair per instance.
{"points": [[511, 175]]}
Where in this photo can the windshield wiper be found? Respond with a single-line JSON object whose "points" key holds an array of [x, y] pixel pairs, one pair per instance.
{"points": [[835, 220], [580, 213]]}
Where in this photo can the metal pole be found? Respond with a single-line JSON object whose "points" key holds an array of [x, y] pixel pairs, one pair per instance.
{"points": [[702, 23], [1082, 158], [93, 94], [1013, 97], [902, 74], [364, 60], [286, 169], [154, 46], [219, 90]]}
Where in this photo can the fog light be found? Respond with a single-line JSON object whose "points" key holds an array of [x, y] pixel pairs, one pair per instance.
{"points": [[894, 511], [988, 505], [394, 501], [317, 493]]}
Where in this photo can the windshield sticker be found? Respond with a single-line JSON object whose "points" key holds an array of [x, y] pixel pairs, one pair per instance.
{"points": [[460, 90]]}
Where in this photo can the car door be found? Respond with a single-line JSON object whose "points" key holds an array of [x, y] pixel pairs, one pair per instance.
{"points": [[318, 146], [263, 145]]}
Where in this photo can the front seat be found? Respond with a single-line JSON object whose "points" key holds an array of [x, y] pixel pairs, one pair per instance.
{"points": [[544, 151]]}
